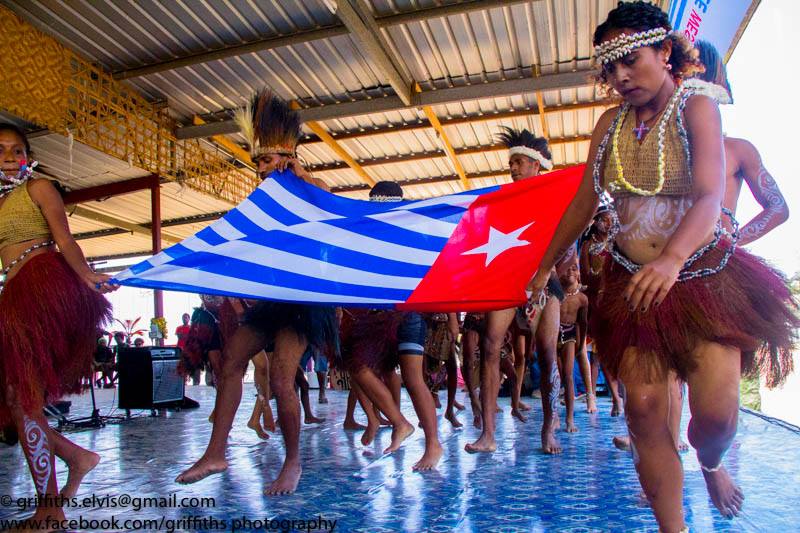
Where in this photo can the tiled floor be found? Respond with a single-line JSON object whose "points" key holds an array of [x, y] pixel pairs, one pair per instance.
{"points": [[591, 487]]}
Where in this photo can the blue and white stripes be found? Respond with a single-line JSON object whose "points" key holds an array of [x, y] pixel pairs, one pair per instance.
{"points": [[294, 242]]}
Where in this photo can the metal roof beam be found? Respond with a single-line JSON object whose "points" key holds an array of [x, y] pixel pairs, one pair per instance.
{"points": [[547, 82], [357, 16], [436, 179], [405, 158], [334, 30], [469, 119], [109, 220], [108, 190], [182, 221]]}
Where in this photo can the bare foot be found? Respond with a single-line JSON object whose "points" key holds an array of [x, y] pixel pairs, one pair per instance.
{"points": [[518, 415], [550, 444], [399, 434], [622, 442], [352, 425], [682, 446], [591, 403], [430, 459], [311, 419], [458, 406], [77, 471], [203, 468], [556, 422], [255, 426], [369, 435], [267, 420], [725, 493], [483, 445], [323, 399], [571, 427], [451, 417], [287, 480], [524, 406], [615, 410]]}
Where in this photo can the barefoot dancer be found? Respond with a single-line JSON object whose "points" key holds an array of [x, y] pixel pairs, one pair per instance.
{"points": [[572, 338], [47, 289], [528, 154], [678, 295], [594, 254], [290, 327], [441, 363], [380, 339]]}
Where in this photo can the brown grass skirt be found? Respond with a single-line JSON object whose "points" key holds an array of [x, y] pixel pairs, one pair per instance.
{"points": [[369, 339], [748, 305], [50, 321]]}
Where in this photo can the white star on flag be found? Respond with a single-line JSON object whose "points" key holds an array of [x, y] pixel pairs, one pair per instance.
{"points": [[499, 242]]}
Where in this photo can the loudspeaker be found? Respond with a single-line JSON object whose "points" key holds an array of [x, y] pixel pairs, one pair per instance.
{"points": [[148, 378]]}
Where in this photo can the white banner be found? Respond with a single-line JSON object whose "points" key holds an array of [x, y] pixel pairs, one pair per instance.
{"points": [[715, 21]]}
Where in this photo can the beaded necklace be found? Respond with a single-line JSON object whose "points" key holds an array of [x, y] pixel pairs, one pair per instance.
{"points": [[621, 182], [719, 232], [573, 293], [24, 174]]}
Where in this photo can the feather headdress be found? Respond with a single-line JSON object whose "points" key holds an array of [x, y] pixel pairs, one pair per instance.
{"points": [[269, 125], [526, 143]]}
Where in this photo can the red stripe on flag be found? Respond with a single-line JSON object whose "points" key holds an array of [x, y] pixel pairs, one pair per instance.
{"points": [[510, 229]]}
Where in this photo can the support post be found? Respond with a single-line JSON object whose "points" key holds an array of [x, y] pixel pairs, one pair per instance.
{"points": [[155, 216]]}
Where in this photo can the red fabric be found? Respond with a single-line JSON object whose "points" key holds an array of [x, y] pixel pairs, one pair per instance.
{"points": [[51, 321], [461, 280], [182, 332]]}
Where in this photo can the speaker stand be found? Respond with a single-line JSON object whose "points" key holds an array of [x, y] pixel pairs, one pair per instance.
{"points": [[94, 421]]}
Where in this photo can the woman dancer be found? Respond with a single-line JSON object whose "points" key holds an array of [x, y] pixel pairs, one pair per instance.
{"points": [[594, 254], [52, 312], [678, 295]]}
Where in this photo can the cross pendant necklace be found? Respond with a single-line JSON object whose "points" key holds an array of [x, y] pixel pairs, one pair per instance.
{"points": [[640, 131]]}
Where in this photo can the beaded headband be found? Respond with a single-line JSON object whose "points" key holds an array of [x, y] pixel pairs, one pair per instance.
{"points": [[533, 154], [379, 198], [619, 47]]}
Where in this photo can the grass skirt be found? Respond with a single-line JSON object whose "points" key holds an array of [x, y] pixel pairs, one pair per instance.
{"points": [[50, 324], [748, 305], [315, 323], [369, 339], [211, 327]]}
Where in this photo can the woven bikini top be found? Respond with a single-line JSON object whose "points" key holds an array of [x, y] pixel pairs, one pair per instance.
{"points": [[640, 160], [21, 219]]}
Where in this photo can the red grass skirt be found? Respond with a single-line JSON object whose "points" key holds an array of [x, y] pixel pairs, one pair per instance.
{"points": [[748, 305], [211, 328], [50, 324], [369, 339]]}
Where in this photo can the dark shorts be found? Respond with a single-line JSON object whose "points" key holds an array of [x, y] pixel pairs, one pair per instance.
{"points": [[567, 333], [411, 335]]}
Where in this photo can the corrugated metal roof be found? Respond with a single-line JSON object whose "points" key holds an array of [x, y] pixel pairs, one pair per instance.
{"points": [[521, 39]]}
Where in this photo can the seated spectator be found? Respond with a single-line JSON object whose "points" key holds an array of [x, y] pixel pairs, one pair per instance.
{"points": [[105, 362]]}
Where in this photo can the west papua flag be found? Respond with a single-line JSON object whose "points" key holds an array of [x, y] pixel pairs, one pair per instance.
{"points": [[291, 241]]}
